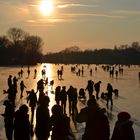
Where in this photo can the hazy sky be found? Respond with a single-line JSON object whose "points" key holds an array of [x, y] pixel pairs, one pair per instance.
{"points": [[88, 24]]}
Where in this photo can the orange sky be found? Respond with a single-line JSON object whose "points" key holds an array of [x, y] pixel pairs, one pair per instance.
{"points": [[89, 24]]}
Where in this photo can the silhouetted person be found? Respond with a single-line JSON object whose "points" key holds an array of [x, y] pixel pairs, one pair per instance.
{"points": [[22, 124], [22, 87], [116, 92], [40, 85], [90, 72], [74, 102], [32, 99], [60, 74], [63, 99], [62, 68], [35, 73], [46, 81], [8, 119], [15, 81], [111, 72], [116, 73], [43, 72], [82, 71], [109, 93], [51, 84], [90, 87], [97, 89], [82, 94], [79, 72], [58, 95], [60, 124], [43, 125], [28, 72], [70, 92], [123, 129], [9, 81], [12, 91], [97, 124], [95, 68], [21, 73]]}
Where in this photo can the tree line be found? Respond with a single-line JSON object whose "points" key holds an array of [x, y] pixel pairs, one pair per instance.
{"points": [[18, 47], [123, 54]]}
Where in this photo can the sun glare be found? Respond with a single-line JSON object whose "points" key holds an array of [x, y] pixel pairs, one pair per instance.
{"points": [[46, 7]]}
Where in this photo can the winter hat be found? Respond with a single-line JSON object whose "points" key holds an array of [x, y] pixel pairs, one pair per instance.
{"points": [[123, 116]]}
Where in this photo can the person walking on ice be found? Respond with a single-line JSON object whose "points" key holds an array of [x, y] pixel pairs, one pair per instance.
{"points": [[109, 94]]}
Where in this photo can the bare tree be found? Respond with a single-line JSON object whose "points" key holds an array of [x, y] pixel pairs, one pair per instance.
{"points": [[4, 42], [33, 44], [16, 34]]}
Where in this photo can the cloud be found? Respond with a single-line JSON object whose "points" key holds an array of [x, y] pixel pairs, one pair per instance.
{"points": [[15, 2], [63, 18], [127, 12], [90, 15], [74, 5], [28, 13], [46, 22]]}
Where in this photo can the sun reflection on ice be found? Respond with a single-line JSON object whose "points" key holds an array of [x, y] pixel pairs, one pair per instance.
{"points": [[48, 89]]}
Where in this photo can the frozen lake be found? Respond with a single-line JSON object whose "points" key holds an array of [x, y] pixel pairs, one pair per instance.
{"points": [[128, 85]]}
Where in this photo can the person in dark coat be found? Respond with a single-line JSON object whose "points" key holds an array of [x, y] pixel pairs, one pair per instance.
{"points": [[97, 124], [9, 81], [22, 86], [8, 119], [32, 100], [15, 81], [22, 124], [63, 99], [123, 129], [109, 93], [90, 88], [74, 102], [97, 89], [28, 72], [82, 94], [60, 124], [57, 94], [12, 91], [40, 85], [70, 92], [43, 125]]}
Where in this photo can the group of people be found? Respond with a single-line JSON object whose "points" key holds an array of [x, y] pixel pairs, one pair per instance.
{"points": [[91, 86], [97, 123], [21, 73], [61, 98], [19, 126]]}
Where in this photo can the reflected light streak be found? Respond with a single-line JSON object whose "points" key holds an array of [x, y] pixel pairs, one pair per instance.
{"points": [[48, 68], [48, 89]]}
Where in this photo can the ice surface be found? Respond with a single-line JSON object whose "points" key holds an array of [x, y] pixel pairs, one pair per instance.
{"points": [[128, 85]]}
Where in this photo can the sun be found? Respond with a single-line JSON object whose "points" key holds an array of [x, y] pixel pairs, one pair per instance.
{"points": [[46, 7]]}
